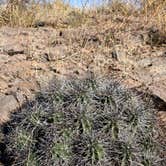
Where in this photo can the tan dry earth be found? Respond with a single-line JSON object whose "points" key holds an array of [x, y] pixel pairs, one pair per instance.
{"points": [[30, 58]]}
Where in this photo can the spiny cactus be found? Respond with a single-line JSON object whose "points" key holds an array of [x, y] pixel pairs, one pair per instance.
{"points": [[84, 122]]}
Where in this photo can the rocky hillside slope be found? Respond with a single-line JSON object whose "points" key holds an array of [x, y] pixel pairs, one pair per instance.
{"points": [[122, 47]]}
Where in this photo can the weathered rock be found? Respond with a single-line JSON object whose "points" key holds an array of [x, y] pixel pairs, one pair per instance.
{"points": [[8, 103], [145, 62], [155, 37], [56, 53], [159, 89], [13, 49], [14, 52], [39, 24], [122, 56]]}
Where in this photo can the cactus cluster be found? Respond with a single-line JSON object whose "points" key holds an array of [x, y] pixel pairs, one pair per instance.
{"points": [[84, 123]]}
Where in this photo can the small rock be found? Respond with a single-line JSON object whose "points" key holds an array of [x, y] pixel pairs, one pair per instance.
{"points": [[155, 37], [53, 69], [58, 52], [164, 54], [37, 68], [76, 72], [159, 90], [21, 98], [13, 49], [113, 68], [24, 33], [39, 24], [55, 43], [60, 33], [8, 103], [94, 39], [45, 58], [114, 55], [145, 63], [12, 52], [121, 56]]}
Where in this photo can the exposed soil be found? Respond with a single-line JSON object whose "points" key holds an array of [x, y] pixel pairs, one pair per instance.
{"points": [[31, 57]]}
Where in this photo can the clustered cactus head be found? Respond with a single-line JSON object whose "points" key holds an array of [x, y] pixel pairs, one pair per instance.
{"points": [[83, 123]]}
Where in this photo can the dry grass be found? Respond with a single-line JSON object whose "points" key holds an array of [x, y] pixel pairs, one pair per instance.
{"points": [[16, 15], [55, 14], [155, 11], [60, 14]]}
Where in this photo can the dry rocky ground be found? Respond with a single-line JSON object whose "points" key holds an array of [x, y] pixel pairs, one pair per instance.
{"points": [[31, 57]]}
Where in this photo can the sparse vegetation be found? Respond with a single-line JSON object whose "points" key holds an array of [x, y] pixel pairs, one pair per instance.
{"points": [[60, 14], [157, 10], [55, 14], [84, 122], [15, 14]]}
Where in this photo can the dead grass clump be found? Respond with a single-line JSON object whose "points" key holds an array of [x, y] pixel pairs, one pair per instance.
{"points": [[116, 7], [155, 11], [15, 14], [76, 18], [52, 14], [60, 14]]}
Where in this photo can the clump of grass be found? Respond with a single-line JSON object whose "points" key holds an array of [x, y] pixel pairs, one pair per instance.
{"points": [[116, 8], [76, 18], [59, 13], [52, 13], [85, 122], [157, 10], [16, 14]]}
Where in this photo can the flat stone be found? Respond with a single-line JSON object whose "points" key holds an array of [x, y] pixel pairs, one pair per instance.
{"points": [[14, 49], [56, 53], [145, 62], [8, 103], [14, 52], [159, 89], [39, 24], [162, 116], [122, 56]]}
